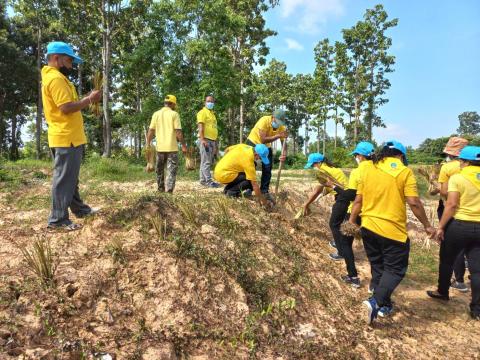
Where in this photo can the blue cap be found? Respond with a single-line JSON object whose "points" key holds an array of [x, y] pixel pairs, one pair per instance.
{"points": [[394, 144], [59, 47], [262, 151], [280, 116], [314, 158], [471, 153], [364, 148]]}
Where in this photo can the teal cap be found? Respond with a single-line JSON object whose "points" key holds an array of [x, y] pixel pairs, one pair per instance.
{"points": [[59, 47], [262, 151], [314, 158]]}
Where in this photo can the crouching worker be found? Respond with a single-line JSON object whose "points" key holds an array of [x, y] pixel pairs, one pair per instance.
{"points": [[382, 193], [459, 228], [236, 170]]}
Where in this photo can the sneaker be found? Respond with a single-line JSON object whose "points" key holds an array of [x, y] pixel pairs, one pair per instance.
{"points": [[474, 315], [372, 309], [332, 244], [352, 280], [66, 227], [213, 185], [460, 286], [371, 290], [92, 212], [247, 193], [385, 310], [436, 295], [335, 257], [269, 197]]}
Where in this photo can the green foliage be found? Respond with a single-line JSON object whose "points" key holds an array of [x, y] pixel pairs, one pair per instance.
{"points": [[469, 123]]}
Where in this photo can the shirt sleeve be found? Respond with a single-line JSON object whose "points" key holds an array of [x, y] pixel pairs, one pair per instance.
{"points": [[60, 92], [250, 172], [443, 177], [176, 121], [410, 188], [201, 117], [453, 184], [153, 123]]}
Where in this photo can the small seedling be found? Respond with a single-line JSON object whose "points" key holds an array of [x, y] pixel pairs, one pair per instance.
{"points": [[40, 261]]}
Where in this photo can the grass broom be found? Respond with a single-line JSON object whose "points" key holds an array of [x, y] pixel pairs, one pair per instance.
{"points": [[97, 81]]}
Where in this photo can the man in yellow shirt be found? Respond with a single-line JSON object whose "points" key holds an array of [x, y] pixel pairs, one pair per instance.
{"points": [[451, 167], [236, 170], [66, 136], [267, 130], [382, 192], [459, 227], [208, 134], [167, 129]]}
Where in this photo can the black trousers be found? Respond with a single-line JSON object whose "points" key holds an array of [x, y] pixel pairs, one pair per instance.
{"points": [[237, 186], [266, 170], [461, 236], [388, 262], [343, 243], [459, 265]]}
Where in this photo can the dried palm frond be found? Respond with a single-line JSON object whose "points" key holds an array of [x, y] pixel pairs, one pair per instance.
{"points": [[348, 229], [323, 177], [150, 154], [97, 81]]}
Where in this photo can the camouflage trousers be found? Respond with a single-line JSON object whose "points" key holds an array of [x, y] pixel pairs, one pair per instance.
{"points": [[170, 160]]}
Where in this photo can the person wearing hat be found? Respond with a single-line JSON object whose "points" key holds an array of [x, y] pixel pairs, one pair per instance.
{"points": [[267, 130], [207, 133], [66, 134], [363, 154], [451, 167], [236, 170], [459, 227], [382, 193], [167, 129]]}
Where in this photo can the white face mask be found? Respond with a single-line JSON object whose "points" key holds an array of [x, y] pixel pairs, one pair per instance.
{"points": [[357, 160], [448, 158]]}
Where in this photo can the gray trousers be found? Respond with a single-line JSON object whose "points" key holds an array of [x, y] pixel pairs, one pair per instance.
{"points": [[207, 155], [65, 193], [170, 160]]}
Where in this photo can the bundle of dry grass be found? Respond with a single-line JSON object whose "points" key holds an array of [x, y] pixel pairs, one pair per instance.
{"points": [[349, 229], [97, 81], [190, 159], [323, 177], [150, 154], [430, 173]]}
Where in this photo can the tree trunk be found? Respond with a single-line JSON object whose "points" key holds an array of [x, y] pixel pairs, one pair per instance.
{"points": [[324, 134], [3, 126], [336, 129], [306, 136], [14, 146], [241, 111], [318, 136], [357, 116], [38, 120], [106, 65]]}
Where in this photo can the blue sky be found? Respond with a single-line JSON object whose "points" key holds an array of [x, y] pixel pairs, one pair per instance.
{"points": [[437, 49]]}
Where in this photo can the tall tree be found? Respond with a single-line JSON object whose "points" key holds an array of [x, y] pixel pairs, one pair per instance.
{"points": [[469, 123], [297, 106]]}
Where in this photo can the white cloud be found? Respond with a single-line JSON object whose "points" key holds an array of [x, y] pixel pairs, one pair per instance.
{"points": [[293, 44], [311, 15]]}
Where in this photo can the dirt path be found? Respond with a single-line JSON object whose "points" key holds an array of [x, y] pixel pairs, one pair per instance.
{"points": [[144, 298]]}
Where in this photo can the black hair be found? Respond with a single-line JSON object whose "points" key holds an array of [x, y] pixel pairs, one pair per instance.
{"points": [[389, 152], [472, 162], [328, 162]]}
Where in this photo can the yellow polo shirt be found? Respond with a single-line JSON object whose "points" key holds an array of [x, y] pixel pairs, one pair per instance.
{"points": [[467, 183], [337, 173], [384, 188], [447, 170], [165, 121], [265, 125], [239, 158], [209, 120], [354, 178], [64, 130]]}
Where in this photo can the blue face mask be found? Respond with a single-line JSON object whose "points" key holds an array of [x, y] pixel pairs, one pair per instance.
{"points": [[209, 105], [275, 125]]}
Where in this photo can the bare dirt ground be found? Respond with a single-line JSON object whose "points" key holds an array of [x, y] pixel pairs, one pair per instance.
{"points": [[199, 276]]}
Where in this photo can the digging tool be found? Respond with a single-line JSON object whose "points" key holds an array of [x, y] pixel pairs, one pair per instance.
{"points": [[284, 146]]}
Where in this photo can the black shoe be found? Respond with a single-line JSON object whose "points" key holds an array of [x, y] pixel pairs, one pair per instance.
{"points": [[437, 295], [475, 316], [354, 281], [332, 244], [335, 257]]}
